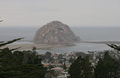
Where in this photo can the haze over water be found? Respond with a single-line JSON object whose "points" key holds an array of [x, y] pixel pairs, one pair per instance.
{"points": [[85, 33]]}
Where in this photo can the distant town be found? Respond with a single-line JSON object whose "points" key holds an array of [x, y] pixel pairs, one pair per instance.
{"points": [[60, 63]]}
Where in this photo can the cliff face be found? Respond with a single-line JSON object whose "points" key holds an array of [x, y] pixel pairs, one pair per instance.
{"points": [[55, 32]]}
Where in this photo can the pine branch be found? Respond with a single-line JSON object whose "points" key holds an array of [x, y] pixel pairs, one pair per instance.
{"points": [[9, 42], [114, 46]]}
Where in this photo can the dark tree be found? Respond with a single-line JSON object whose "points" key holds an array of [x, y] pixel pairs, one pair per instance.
{"points": [[107, 67], [81, 68], [20, 64]]}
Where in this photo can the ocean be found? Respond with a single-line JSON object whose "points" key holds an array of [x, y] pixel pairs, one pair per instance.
{"points": [[85, 34]]}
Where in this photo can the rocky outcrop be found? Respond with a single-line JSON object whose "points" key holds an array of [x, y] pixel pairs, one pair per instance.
{"points": [[55, 32]]}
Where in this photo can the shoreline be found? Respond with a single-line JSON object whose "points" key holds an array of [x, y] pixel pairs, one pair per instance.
{"points": [[101, 42], [31, 46]]}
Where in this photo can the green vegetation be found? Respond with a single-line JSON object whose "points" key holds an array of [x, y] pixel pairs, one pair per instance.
{"points": [[20, 64], [108, 66], [81, 68], [27, 64], [114, 46]]}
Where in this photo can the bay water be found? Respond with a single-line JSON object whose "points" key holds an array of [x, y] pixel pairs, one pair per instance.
{"points": [[85, 34]]}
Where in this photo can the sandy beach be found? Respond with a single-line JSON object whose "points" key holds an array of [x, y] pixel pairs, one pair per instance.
{"points": [[30, 46]]}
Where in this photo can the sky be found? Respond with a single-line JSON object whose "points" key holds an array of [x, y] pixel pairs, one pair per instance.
{"points": [[79, 13]]}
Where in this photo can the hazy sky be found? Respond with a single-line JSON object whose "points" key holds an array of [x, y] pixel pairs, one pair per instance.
{"points": [[71, 12]]}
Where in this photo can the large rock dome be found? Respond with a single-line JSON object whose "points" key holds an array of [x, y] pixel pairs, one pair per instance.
{"points": [[55, 32]]}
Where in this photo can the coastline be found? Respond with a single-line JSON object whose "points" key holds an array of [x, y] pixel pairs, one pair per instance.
{"points": [[31, 46]]}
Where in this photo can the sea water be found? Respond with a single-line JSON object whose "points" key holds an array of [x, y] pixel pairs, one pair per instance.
{"points": [[85, 34]]}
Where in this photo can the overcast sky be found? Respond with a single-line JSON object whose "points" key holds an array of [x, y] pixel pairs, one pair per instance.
{"points": [[71, 12]]}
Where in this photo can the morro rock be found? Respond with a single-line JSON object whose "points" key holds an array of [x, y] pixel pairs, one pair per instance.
{"points": [[55, 32]]}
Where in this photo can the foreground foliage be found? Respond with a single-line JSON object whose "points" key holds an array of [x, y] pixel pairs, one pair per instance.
{"points": [[27, 64], [81, 68], [107, 67], [20, 64]]}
